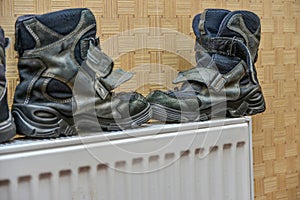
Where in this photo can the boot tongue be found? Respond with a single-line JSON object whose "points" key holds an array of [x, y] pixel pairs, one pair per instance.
{"points": [[209, 22]]}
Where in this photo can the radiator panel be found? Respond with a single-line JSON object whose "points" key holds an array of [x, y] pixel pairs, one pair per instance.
{"points": [[207, 160]]}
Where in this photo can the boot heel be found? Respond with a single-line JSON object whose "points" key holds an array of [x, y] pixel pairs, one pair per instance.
{"points": [[40, 122], [256, 104], [252, 104]]}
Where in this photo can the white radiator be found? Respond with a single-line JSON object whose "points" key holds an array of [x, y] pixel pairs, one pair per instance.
{"points": [[206, 160]]}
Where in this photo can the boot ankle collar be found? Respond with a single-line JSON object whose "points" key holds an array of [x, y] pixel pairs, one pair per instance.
{"points": [[229, 47]]}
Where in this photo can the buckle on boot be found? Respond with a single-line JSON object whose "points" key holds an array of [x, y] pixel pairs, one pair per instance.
{"points": [[100, 89]]}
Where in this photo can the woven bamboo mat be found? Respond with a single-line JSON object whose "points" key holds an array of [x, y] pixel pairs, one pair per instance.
{"points": [[154, 39]]}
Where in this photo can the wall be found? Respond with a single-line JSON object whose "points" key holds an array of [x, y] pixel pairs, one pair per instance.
{"points": [[155, 55]]}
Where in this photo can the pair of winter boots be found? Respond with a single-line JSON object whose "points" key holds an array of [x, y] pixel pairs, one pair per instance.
{"points": [[66, 80]]}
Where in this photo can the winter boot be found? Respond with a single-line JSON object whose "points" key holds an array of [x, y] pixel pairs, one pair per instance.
{"points": [[53, 48], [7, 126], [224, 82]]}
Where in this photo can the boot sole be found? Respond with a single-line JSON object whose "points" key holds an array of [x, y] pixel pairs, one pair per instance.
{"points": [[251, 104], [7, 129], [88, 123], [40, 122]]}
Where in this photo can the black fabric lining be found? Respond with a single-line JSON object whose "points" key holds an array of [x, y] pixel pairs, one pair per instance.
{"points": [[58, 90]]}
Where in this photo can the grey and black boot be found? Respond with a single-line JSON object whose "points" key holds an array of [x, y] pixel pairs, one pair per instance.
{"points": [[52, 49], [7, 126], [224, 82]]}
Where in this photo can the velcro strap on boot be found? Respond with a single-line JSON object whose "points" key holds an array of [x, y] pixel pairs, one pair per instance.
{"points": [[211, 77], [99, 67], [223, 45], [98, 61], [104, 85], [85, 44], [116, 78]]}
